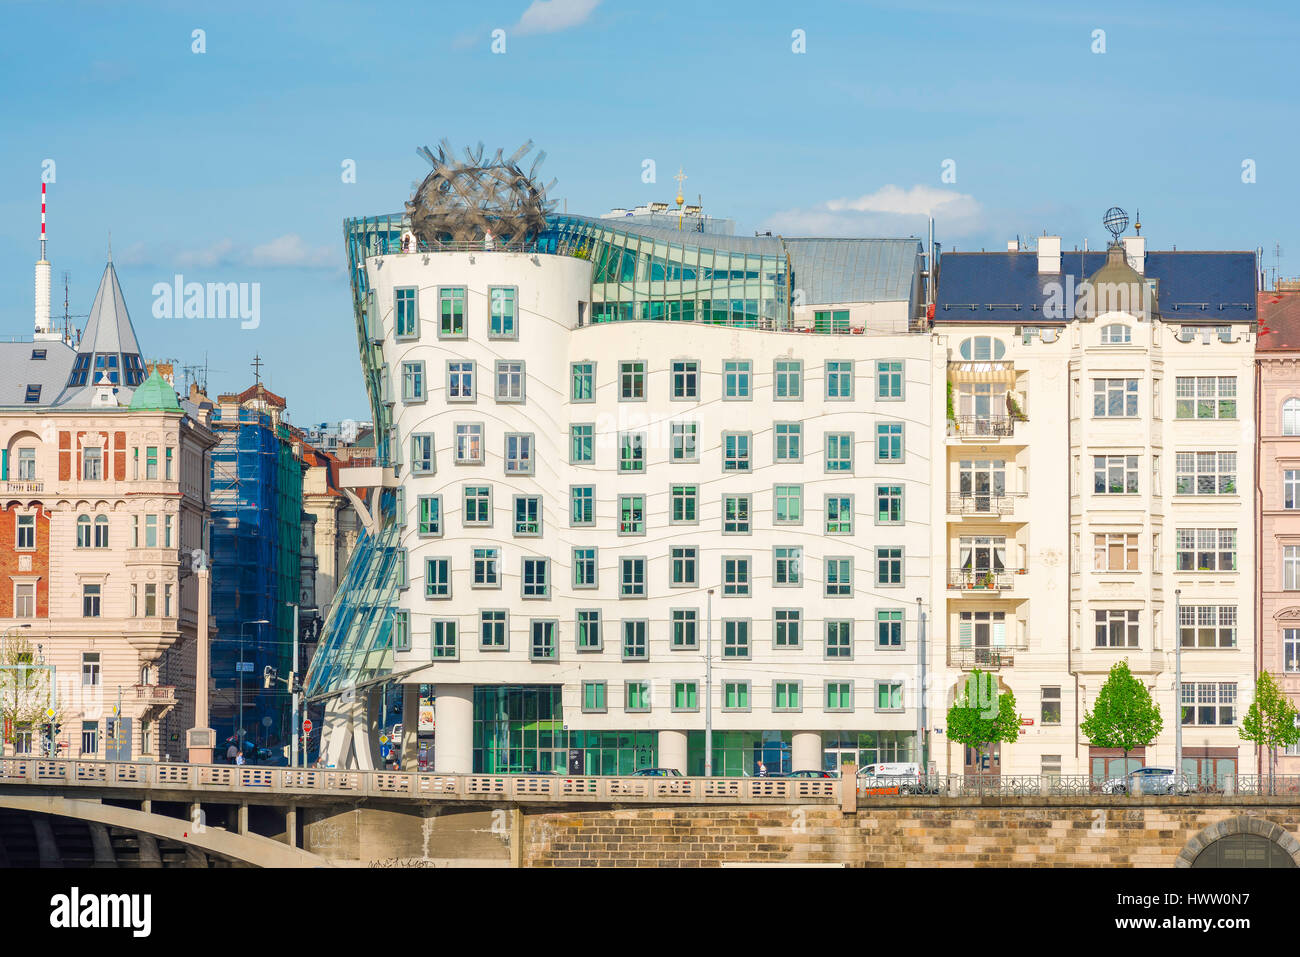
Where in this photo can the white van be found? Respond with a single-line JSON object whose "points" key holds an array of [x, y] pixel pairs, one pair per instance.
{"points": [[902, 778]]}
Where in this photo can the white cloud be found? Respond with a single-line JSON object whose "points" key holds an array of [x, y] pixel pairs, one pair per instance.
{"points": [[215, 254], [889, 211], [287, 251], [290, 250], [550, 16]]}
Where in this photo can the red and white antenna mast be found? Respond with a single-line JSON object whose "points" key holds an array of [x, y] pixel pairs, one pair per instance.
{"points": [[44, 327]]}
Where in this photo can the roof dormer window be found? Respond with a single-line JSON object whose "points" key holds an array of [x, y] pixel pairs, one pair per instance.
{"points": [[1116, 334], [33, 394], [38, 353], [983, 347]]}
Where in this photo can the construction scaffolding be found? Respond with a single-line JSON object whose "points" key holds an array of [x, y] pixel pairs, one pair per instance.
{"points": [[256, 565]]}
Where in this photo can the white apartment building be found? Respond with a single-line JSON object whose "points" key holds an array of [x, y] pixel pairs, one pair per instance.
{"points": [[1099, 470]]}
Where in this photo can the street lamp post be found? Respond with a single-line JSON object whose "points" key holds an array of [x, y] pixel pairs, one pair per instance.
{"points": [[293, 693], [708, 688], [239, 718], [924, 741], [1178, 685]]}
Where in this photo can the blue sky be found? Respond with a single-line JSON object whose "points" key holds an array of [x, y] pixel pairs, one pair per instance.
{"points": [[225, 166]]}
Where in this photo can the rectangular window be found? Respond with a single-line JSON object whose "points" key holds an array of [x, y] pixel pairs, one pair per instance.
{"points": [[25, 600], [787, 565], [1209, 703], [735, 515], [735, 696], [1115, 552], [27, 465], [1291, 650], [889, 380], [735, 638], [785, 696], [1114, 398], [839, 451], [487, 568], [167, 473], [582, 443], [588, 630], [1116, 628], [510, 378], [684, 442], [593, 696], [831, 321], [839, 696], [406, 315], [631, 381], [430, 515], [839, 378], [1050, 698], [90, 669], [1205, 549], [1207, 626], [889, 504], [582, 501], [541, 645], [889, 696], [437, 578], [889, 628], [1291, 489], [735, 576], [585, 568], [1115, 474], [451, 312], [469, 443], [789, 441], [685, 504], [151, 462], [92, 464], [536, 578], [151, 531], [442, 640], [631, 514], [151, 600], [636, 696], [736, 376], [631, 451], [1206, 473], [788, 504], [631, 578], [460, 381], [412, 387], [582, 382], [502, 316], [401, 631], [686, 379], [1205, 397], [839, 514], [519, 453], [684, 563], [478, 505], [839, 577], [636, 644], [422, 454], [1291, 567], [735, 452], [889, 566], [528, 515], [839, 638], [90, 598], [788, 379], [787, 628], [889, 442], [685, 622], [686, 696], [493, 631], [26, 536]]}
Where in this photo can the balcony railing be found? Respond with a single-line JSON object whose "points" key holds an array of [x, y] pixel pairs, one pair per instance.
{"points": [[971, 426], [24, 488], [975, 580], [158, 695], [979, 503], [1003, 656]]}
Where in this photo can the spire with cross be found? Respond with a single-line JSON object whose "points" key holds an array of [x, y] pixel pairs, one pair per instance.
{"points": [[257, 369]]}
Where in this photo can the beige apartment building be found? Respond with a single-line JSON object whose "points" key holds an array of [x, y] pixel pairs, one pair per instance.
{"points": [[1278, 491], [1096, 477], [104, 478]]}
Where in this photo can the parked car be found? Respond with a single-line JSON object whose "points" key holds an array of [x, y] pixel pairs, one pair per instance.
{"points": [[657, 773], [905, 776], [812, 774], [1155, 780]]}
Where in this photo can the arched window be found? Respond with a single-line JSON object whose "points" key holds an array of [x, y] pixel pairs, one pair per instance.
{"points": [[83, 531], [1291, 417], [144, 675], [101, 531], [983, 347], [1116, 334]]}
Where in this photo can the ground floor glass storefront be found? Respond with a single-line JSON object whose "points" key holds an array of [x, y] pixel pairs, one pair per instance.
{"points": [[868, 747]]}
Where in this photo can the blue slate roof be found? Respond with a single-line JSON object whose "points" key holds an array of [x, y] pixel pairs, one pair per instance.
{"points": [[1006, 286]]}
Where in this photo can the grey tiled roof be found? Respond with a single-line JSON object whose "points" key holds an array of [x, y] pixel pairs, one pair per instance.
{"points": [[18, 370], [108, 330]]}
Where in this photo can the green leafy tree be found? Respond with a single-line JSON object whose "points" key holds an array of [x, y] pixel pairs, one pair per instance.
{"points": [[1270, 721], [981, 714], [1124, 716]]}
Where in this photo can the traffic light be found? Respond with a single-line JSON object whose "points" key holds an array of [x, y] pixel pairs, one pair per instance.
{"points": [[268, 677]]}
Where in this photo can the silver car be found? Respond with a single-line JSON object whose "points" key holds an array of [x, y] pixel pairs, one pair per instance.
{"points": [[1156, 780]]}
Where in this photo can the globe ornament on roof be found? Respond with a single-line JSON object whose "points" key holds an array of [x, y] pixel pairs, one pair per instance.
{"points": [[1115, 221], [471, 201]]}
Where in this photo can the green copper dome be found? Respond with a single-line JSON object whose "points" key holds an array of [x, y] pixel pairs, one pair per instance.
{"points": [[155, 394]]}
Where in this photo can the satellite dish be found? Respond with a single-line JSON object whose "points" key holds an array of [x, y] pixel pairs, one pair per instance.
{"points": [[1115, 221]]}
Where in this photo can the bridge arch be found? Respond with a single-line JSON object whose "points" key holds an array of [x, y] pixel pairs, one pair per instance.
{"points": [[1241, 841]]}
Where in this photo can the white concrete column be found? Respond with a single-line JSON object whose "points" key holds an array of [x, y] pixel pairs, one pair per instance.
{"points": [[672, 750], [806, 751], [453, 732]]}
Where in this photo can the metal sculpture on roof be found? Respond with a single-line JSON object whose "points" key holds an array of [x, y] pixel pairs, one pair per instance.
{"points": [[1115, 221], [471, 201]]}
